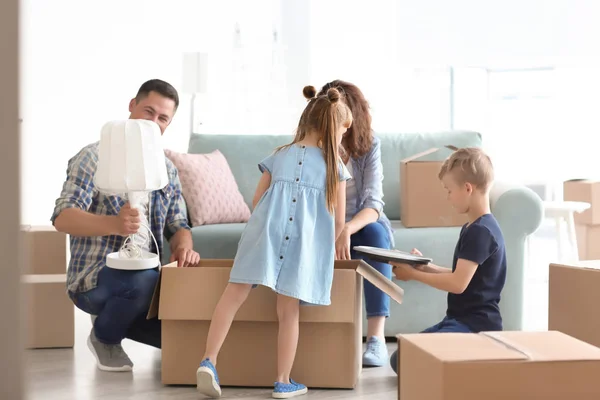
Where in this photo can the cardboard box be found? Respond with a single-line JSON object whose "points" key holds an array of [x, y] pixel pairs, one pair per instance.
{"points": [[588, 241], [423, 199], [49, 313], [497, 366], [329, 351], [573, 297], [587, 191]]}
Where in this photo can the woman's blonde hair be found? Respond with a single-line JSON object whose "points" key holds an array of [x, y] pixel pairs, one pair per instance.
{"points": [[325, 115]]}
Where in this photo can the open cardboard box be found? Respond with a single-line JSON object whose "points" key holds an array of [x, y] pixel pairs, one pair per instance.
{"points": [[497, 366], [329, 351]]}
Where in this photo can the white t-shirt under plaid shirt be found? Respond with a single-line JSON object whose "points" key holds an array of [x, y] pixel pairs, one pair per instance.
{"points": [[88, 254]]}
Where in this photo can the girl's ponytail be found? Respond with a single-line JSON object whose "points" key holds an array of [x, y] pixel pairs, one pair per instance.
{"points": [[329, 127]]}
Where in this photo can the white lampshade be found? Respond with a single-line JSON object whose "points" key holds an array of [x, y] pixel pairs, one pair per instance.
{"points": [[131, 158]]}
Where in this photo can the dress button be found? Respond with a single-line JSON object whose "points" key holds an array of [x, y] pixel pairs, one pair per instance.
{"points": [[287, 238], [294, 200], [300, 163], [297, 179], [281, 257], [303, 146], [291, 219]]}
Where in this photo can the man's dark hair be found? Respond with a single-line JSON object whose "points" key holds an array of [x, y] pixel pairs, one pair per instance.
{"points": [[161, 87]]}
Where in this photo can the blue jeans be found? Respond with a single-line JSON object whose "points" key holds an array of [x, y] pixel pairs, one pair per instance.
{"points": [[377, 302], [448, 325], [120, 302]]}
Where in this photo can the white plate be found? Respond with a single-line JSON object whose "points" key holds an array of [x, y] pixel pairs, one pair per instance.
{"points": [[147, 261]]}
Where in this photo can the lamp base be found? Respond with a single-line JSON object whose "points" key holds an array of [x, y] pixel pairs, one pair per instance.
{"points": [[147, 261]]}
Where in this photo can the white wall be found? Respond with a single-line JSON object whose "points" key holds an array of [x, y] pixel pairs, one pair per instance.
{"points": [[82, 62]]}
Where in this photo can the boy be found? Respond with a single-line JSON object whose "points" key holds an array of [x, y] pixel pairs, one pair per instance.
{"points": [[478, 271]]}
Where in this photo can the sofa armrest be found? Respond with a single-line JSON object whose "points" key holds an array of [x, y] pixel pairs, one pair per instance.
{"points": [[518, 209], [519, 212]]}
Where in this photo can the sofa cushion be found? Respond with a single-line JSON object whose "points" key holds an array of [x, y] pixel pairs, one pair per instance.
{"points": [[209, 188], [217, 241], [243, 153]]}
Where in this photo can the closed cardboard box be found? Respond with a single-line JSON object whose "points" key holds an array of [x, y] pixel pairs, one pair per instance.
{"points": [[49, 313], [588, 241], [423, 199], [330, 346], [573, 299], [497, 366], [587, 191]]}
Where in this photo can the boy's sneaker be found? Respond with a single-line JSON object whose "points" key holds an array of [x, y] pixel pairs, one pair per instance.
{"points": [[207, 380], [376, 354], [288, 390], [109, 357]]}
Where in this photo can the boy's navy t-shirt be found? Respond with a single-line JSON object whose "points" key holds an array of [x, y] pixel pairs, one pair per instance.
{"points": [[477, 307]]}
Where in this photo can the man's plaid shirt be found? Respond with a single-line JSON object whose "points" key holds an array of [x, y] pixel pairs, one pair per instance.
{"points": [[88, 254]]}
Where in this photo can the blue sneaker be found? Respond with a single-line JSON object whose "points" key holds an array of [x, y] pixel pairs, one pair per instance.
{"points": [[288, 390], [376, 354], [207, 380]]}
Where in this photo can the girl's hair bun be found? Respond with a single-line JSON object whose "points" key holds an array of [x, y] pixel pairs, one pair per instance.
{"points": [[309, 92], [333, 95]]}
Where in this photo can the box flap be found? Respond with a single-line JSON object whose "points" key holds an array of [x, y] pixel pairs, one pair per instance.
{"points": [[548, 346], [587, 264], [504, 346], [380, 281], [419, 155], [427, 152], [463, 347], [153, 309], [38, 228], [581, 180]]}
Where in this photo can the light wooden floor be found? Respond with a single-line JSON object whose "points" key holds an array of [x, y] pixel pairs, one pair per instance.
{"points": [[72, 374]]}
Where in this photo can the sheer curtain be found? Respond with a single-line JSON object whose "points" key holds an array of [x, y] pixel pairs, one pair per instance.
{"points": [[524, 74], [247, 72]]}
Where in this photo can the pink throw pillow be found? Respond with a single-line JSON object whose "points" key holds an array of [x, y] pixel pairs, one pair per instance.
{"points": [[209, 188]]}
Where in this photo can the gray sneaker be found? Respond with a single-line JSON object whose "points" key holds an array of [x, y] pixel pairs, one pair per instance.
{"points": [[376, 354], [109, 357]]}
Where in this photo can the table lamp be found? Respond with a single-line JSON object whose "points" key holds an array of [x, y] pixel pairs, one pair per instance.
{"points": [[131, 161]]}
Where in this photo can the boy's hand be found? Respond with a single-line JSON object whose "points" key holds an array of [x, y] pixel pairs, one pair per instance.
{"points": [[416, 252], [403, 272]]}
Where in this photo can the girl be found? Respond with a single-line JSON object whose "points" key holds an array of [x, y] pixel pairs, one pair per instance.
{"points": [[288, 243]]}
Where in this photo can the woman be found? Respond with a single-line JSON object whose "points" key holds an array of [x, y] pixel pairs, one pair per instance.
{"points": [[366, 224]]}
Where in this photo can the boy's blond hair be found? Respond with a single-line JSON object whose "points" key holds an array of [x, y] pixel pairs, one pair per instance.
{"points": [[472, 165]]}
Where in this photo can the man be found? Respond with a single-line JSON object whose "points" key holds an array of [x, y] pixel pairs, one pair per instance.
{"points": [[118, 300]]}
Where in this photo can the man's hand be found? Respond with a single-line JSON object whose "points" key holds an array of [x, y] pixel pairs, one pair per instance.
{"points": [[128, 221], [403, 272], [342, 246], [185, 257]]}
